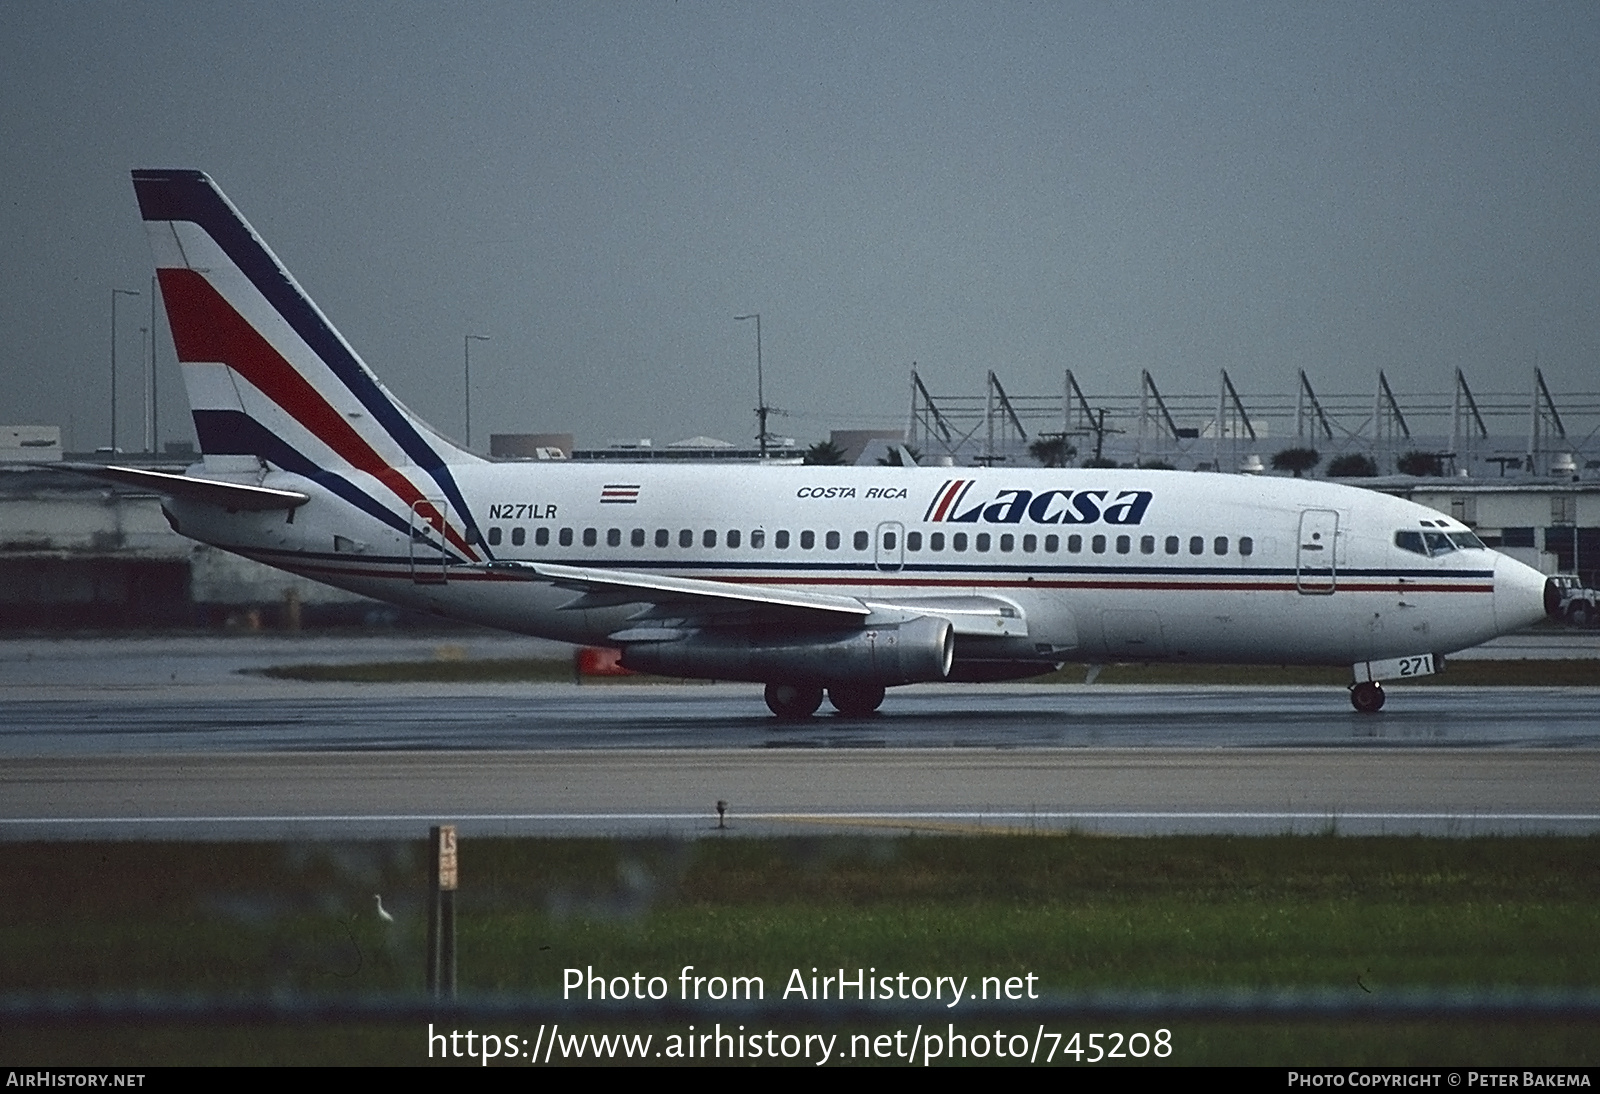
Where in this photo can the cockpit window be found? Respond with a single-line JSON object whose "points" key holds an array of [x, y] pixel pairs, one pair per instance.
{"points": [[1410, 541], [1438, 543], [1434, 544]]}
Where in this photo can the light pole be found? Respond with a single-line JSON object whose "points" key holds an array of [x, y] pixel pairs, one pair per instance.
{"points": [[466, 377], [761, 399], [155, 400], [114, 294]]}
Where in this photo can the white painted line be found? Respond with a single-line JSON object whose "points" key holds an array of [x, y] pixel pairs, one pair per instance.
{"points": [[428, 818]]}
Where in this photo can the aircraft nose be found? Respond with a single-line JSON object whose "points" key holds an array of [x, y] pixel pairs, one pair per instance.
{"points": [[1521, 595]]}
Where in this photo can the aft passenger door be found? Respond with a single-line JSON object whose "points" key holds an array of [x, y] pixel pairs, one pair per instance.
{"points": [[427, 542], [1315, 572]]}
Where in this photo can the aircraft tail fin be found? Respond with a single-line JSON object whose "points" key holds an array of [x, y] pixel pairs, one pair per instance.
{"points": [[265, 369], [269, 379]]}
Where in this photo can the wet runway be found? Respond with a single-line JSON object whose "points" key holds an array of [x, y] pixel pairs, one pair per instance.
{"points": [[102, 746], [275, 716]]}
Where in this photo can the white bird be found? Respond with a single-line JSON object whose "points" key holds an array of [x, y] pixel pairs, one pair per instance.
{"points": [[383, 915]]}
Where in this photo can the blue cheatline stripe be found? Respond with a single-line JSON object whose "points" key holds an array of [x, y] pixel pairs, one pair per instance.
{"points": [[232, 432], [871, 574], [190, 196]]}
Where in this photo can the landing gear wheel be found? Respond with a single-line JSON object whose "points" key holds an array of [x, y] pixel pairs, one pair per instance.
{"points": [[1367, 698], [856, 700], [792, 702]]}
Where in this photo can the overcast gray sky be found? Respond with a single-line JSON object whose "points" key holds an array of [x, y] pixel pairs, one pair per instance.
{"points": [[600, 188]]}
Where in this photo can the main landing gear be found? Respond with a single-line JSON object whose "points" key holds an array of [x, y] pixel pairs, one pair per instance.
{"points": [[794, 702], [1368, 697]]}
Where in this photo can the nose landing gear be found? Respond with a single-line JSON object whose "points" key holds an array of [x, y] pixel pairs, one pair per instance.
{"points": [[1367, 697]]}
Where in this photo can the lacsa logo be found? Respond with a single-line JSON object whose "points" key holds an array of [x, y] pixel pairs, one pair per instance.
{"points": [[950, 505]]}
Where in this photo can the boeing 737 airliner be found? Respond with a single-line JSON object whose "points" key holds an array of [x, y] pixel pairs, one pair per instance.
{"points": [[806, 579]]}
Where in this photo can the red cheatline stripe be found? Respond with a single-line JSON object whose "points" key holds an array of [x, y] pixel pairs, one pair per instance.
{"points": [[205, 327]]}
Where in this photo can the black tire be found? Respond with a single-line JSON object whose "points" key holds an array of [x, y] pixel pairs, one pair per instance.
{"points": [[793, 702], [1367, 698], [856, 700]]}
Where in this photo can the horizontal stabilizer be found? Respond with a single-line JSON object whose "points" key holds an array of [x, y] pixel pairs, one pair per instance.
{"points": [[227, 495]]}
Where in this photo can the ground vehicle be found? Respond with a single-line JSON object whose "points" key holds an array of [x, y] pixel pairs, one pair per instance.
{"points": [[1574, 603]]}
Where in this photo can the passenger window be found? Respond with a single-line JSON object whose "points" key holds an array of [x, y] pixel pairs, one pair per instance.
{"points": [[958, 542], [936, 541], [983, 541], [565, 537], [888, 541], [1008, 542], [1247, 546], [781, 541], [541, 536], [663, 537], [613, 537], [1052, 544], [1197, 545], [519, 536], [1147, 545], [709, 538], [1219, 546], [494, 537], [1124, 544], [1074, 544], [1172, 545], [1098, 545], [833, 541], [758, 539], [1030, 543], [686, 537], [808, 540], [637, 538], [733, 537], [863, 541], [590, 537], [913, 541]]}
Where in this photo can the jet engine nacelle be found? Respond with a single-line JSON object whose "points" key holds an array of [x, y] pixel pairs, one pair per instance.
{"points": [[916, 651]]}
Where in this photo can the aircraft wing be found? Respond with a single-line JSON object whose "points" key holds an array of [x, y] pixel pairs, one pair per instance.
{"points": [[228, 495], [606, 588], [677, 597]]}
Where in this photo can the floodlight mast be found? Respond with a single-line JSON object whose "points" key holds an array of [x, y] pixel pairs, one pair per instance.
{"points": [[762, 409]]}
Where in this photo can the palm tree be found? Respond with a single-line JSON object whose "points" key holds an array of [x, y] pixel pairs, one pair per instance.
{"points": [[1297, 460], [1352, 465], [1420, 464], [1052, 450], [824, 454], [893, 458]]}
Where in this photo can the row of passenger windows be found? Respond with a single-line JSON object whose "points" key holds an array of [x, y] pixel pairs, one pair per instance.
{"points": [[933, 542]]}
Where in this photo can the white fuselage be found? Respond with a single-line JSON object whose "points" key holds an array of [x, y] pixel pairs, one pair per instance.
{"points": [[1098, 564]]}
